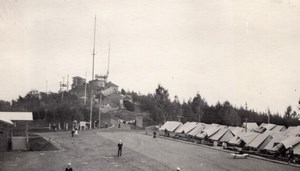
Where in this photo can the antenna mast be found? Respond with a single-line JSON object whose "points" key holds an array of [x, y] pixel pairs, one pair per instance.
{"points": [[108, 59], [94, 49], [91, 110]]}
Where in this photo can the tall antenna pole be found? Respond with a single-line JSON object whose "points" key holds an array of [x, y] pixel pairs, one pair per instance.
{"points": [[91, 110], [85, 89], [108, 58], [94, 48]]}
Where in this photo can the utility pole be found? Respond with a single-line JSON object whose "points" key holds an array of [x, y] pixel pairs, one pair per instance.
{"points": [[85, 89], [99, 108], [91, 110]]}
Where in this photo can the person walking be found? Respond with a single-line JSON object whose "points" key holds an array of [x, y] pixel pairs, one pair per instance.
{"points": [[69, 168], [106, 125], [120, 146], [154, 135]]}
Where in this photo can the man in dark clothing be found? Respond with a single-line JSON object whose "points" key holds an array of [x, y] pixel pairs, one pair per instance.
{"points": [[69, 168], [120, 145], [291, 154], [72, 132], [154, 135]]}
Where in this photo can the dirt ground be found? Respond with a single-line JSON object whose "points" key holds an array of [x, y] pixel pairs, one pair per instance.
{"points": [[97, 150]]}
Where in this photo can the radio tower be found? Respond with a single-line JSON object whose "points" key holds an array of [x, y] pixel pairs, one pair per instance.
{"points": [[91, 110]]}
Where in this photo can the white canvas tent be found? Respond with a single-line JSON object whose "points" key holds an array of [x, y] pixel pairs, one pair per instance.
{"points": [[260, 141], [289, 129], [246, 137], [264, 127], [238, 130], [294, 132], [296, 149], [223, 135], [276, 139], [197, 129], [279, 128], [170, 126], [187, 127], [288, 142], [208, 132], [250, 126]]}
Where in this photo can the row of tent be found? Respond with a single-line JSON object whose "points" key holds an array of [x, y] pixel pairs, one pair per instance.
{"points": [[268, 138]]}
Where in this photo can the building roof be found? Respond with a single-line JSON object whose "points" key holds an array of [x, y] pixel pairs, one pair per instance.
{"points": [[8, 117], [5, 120], [110, 84]]}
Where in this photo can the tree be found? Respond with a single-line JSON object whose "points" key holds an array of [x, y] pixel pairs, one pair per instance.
{"points": [[162, 103], [4, 106], [123, 92], [198, 105], [287, 114], [129, 105]]}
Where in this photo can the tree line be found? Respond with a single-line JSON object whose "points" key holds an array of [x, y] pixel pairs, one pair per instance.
{"points": [[162, 108], [52, 107], [64, 106]]}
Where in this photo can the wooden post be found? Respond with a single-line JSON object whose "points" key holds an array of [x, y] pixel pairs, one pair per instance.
{"points": [[26, 134]]}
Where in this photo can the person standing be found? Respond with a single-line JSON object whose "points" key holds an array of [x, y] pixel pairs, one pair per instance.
{"points": [[106, 125], [69, 168], [72, 132], [120, 146], [76, 131], [291, 155]]}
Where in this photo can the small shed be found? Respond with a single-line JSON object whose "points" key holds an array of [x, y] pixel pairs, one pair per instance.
{"points": [[19, 134]]}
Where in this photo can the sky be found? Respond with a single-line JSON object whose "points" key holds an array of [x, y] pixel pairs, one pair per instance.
{"points": [[240, 51]]}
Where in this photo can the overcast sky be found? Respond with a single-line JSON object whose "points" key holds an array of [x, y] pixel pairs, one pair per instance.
{"points": [[225, 50]]}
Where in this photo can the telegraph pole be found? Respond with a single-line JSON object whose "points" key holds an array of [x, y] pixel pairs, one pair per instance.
{"points": [[99, 108], [85, 90]]}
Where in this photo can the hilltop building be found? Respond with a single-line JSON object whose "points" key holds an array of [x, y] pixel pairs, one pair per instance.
{"points": [[83, 89]]}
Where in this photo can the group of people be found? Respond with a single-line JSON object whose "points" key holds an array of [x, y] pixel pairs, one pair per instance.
{"points": [[74, 131]]}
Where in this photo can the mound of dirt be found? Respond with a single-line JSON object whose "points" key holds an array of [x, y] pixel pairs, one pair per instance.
{"points": [[38, 143]]}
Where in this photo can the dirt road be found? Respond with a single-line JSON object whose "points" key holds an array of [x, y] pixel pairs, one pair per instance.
{"points": [[97, 150]]}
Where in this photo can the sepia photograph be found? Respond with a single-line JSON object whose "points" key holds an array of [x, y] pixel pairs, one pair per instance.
{"points": [[150, 85]]}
